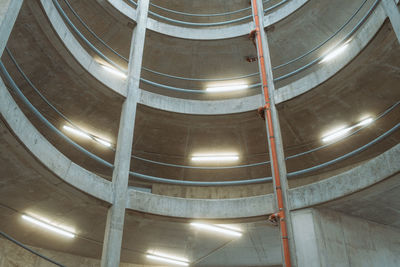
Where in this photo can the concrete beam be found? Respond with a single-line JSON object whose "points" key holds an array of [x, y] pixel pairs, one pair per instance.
{"points": [[9, 10], [120, 178], [232, 208], [393, 12]]}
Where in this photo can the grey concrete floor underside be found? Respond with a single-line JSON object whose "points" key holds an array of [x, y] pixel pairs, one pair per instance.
{"points": [[368, 85], [84, 99]]}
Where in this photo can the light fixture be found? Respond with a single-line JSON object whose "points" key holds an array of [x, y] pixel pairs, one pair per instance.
{"points": [[218, 228], [335, 53], [76, 131], [365, 121], [226, 88], [215, 157], [114, 71], [103, 142], [342, 131], [167, 258], [48, 226], [335, 134], [87, 136]]}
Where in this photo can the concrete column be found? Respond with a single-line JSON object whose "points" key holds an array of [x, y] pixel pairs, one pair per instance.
{"points": [[327, 238], [393, 12], [116, 213], [277, 129], [9, 10]]}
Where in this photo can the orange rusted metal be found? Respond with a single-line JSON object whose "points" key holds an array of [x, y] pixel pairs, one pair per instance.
{"points": [[280, 215]]}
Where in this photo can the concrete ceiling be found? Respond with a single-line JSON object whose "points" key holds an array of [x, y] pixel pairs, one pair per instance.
{"points": [[33, 190], [298, 33], [366, 85], [172, 138]]}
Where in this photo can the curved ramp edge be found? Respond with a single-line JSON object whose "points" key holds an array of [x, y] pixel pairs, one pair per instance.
{"points": [[47, 154], [79, 53], [227, 106], [214, 33], [354, 180], [201, 208]]}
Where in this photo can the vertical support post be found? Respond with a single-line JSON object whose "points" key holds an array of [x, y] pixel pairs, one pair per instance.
{"points": [[277, 158], [9, 10], [116, 213], [393, 12]]}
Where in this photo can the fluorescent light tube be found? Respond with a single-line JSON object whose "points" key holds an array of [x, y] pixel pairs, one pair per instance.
{"points": [[227, 88], [208, 158], [217, 228], [48, 226], [76, 132], [85, 135], [335, 53], [114, 71], [167, 258], [365, 121], [338, 133], [103, 142]]}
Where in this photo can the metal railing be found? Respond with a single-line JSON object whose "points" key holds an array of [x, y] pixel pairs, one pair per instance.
{"points": [[208, 16], [20, 95], [343, 40], [16, 242]]}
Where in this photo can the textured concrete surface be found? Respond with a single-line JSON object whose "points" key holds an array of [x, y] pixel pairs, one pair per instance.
{"points": [[238, 134], [175, 49], [15, 256], [393, 13], [369, 190], [357, 178], [9, 11], [328, 238], [63, 167], [208, 33]]}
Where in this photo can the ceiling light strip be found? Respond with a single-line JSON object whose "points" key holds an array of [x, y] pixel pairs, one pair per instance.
{"points": [[48, 226], [168, 259], [217, 228]]}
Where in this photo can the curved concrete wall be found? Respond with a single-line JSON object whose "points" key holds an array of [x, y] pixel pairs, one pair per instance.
{"points": [[47, 154], [214, 33], [338, 186], [216, 107], [356, 179], [79, 53]]}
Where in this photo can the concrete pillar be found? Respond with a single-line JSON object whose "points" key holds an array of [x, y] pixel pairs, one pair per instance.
{"points": [[326, 238], [393, 12], [277, 129], [9, 10], [116, 213]]}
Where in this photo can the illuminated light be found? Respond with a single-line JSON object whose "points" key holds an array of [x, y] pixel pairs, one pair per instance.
{"points": [[227, 88], [218, 228], [76, 132], [85, 135], [103, 142], [338, 133], [365, 121], [215, 157], [342, 131], [167, 258], [48, 226], [335, 53], [114, 71]]}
